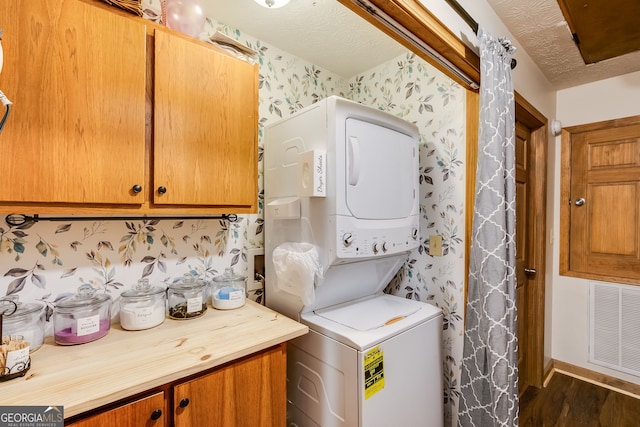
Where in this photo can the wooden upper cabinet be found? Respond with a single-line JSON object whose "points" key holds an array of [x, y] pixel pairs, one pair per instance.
{"points": [[601, 187], [108, 108], [205, 120], [76, 76]]}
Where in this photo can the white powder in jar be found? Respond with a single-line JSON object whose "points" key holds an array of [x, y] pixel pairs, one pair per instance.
{"points": [[135, 316]]}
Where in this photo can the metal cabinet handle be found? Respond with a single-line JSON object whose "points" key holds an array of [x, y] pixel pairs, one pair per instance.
{"points": [[155, 415], [529, 271], [136, 188], [580, 201], [162, 189], [184, 402]]}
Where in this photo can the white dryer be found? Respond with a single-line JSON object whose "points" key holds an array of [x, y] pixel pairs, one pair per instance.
{"points": [[343, 178]]}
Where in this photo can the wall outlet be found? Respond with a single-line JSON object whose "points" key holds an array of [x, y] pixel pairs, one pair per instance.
{"points": [[435, 245], [255, 265]]}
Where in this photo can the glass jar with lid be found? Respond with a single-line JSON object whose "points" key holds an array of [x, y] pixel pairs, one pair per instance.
{"points": [[142, 307], [27, 320], [229, 290], [82, 318], [187, 297]]}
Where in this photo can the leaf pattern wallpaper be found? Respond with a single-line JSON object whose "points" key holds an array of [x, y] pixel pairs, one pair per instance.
{"points": [[47, 261]]}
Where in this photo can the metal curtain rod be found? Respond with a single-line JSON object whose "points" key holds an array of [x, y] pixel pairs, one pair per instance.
{"points": [[471, 22], [464, 15], [407, 35], [17, 220]]}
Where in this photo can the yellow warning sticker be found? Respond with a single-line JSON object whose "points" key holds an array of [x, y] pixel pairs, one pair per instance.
{"points": [[373, 372]]}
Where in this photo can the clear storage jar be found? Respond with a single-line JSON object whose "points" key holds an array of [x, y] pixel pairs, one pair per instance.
{"points": [[82, 318], [27, 320], [229, 290], [142, 307], [187, 298]]}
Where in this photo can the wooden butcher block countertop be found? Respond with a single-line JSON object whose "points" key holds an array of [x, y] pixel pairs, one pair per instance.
{"points": [[124, 363]]}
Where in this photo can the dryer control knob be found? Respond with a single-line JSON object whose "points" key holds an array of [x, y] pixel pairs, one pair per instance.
{"points": [[347, 239], [375, 248], [414, 233], [384, 246]]}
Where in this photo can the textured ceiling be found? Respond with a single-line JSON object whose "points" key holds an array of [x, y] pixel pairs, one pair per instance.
{"points": [[541, 29], [329, 35]]}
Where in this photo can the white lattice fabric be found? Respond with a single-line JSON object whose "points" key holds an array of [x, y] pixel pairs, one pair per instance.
{"points": [[489, 382]]}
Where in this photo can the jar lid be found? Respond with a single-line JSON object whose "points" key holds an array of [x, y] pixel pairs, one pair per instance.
{"points": [[86, 296], [142, 289], [187, 282], [229, 276], [22, 310]]}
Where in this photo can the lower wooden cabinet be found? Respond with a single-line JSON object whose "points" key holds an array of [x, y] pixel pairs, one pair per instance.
{"points": [[148, 411], [250, 392]]}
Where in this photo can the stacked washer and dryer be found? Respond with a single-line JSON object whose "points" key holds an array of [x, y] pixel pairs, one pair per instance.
{"points": [[341, 215]]}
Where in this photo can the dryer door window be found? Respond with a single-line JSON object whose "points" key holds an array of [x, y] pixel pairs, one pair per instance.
{"points": [[381, 171]]}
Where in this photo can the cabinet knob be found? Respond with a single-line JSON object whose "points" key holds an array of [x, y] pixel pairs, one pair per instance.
{"points": [[136, 188], [155, 415], [184, 402], [162, 189]]}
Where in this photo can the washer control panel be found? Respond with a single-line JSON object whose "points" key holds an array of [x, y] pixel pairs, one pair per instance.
{"points": [[361, 242]]}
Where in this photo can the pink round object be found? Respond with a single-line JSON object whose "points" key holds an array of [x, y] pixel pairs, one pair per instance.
{"points": [[185, 16]]}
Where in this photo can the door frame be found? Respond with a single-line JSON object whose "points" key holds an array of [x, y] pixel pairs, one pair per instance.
{"points": [[529, 116]]}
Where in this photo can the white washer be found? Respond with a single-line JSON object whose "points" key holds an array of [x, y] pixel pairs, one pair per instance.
{"points": [[343, 178], [372, 363]]}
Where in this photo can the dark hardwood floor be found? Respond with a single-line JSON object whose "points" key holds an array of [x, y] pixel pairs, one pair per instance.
{"points": [[568, 402]]}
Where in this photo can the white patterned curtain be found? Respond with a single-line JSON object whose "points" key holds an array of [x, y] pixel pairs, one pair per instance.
{"points": [[489, 382]]}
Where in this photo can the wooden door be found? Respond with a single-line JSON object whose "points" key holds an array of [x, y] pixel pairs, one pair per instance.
{"points": [[206, 119], [76, 76], [148, 411], [531, 211], [523, 226], [247, 393], [604, 203]]}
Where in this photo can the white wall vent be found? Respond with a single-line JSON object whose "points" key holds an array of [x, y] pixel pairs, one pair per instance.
{"points": [[614, 326]]}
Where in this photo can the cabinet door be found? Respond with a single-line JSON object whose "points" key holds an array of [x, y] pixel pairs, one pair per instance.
{"points": [[148, 411], [604, 200], [248, 393], [205, 121], [76, 76]]}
